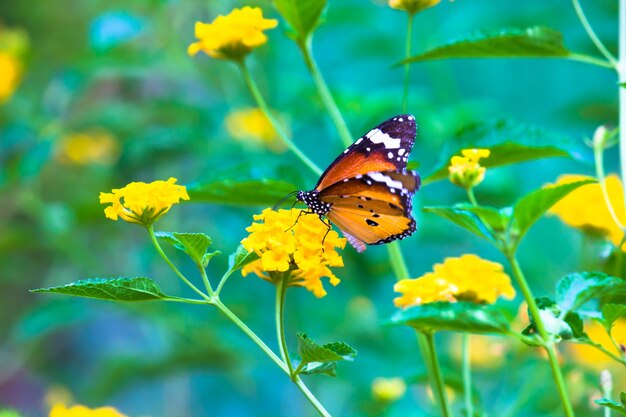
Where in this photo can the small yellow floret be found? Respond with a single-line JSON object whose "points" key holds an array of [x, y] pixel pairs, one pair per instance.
{"points": [[286, 245], [10, 75], [467, 278], [465, 171], [585, 208], [232, 36], [143, 203], [412, 6], [88, 147], [60, 410]]}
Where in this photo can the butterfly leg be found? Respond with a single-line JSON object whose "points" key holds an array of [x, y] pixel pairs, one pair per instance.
{"points": [[328, 225], [298, 218]]}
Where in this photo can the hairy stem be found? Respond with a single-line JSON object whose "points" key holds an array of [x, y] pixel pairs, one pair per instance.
{"points": [[180, 275], [256, 94], [281, 293], [592, 35], [439, 387], [543, 334], [324, 92]]}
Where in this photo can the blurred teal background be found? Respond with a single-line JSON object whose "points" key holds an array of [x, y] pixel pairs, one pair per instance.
{"points": [[120, 69]]}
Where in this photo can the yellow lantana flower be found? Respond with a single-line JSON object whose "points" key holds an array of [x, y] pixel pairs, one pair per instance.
{"points": [[88, 147], [467, 278], [305, 248], [60, 410], [143, 203], [388, 389], [10, 75], [412, 6], [465, 171], [232, 36], [252, 125], [585, 208]]}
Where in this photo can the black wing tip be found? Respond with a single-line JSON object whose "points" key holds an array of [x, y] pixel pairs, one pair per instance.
{"points": [[400, 126], [406, 233]]}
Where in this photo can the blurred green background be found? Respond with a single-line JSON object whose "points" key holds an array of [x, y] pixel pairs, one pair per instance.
{"points": [[118, 71]]}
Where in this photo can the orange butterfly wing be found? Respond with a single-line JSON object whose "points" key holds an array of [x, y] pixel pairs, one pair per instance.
{"points": [[374, 208], [384, 148]]}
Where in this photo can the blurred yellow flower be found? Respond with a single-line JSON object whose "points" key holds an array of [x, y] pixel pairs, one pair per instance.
{"points": [[60, 410], [486, 352], [57, 394], [286, 245], [592, 357], [94, 146], [143, 203], [10, 75], [388, 389], [465, 171], [252, 125], [586, 209], [412, 6], [467, 278], [232, 36]]}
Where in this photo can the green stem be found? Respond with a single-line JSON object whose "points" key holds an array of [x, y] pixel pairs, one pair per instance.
{"points": [[256, 94], [439, 388], [592, 35], [324, 92], [227, 274], [281, 293], [407, 55], [205, 279], [471, 197], [398, 264], [237, 321], [467, 374], [598, 152], [155, 242], [318, 406], [621, 71], [543, 334], [590, 60]]}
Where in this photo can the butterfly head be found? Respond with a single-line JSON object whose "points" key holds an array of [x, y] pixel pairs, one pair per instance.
{"points": [[312, 200]]}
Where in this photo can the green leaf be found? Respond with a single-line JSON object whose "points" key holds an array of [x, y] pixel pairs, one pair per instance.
{"points": [[613, 405], [324, 368], [574, 290], [535, 204], [303, 16], [241, 193], [314, 354], [509, 142], [532, 42], [561, 326], [241, 258], [622, 397], [118, 289], [195, 245], [461, 217], [611, 312], [9, 413], [497, 219], [460, 317]]}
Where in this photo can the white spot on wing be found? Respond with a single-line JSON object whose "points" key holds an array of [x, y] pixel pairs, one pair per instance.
{"points": [[401, 119], [390, 155], [358, 141], [401, 151], [379, 137], [371, 133], [390, 182]]}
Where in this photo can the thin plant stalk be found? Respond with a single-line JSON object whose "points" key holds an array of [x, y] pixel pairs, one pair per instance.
{"points": [[467, 373], [598, 153], [439, 388], [621, 71], [258, 97], [322, 88], [543, 334], [281, 293], [407, 55], [592, 34]]}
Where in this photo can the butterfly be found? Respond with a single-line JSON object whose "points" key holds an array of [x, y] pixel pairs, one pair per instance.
{"points": [[367, 190]]}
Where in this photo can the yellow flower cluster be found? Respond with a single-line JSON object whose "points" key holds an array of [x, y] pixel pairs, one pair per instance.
{"points": [[465, 171], [467, 278], [388, 389], [60, 410], [585, 207], [412, 6], [88, 147], [232, 36], [13, 45], [285, 244], [143, 203], [252, 125]]}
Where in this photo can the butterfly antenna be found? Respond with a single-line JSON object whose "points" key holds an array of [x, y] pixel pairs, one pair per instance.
{"points": [[285, 198]]}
